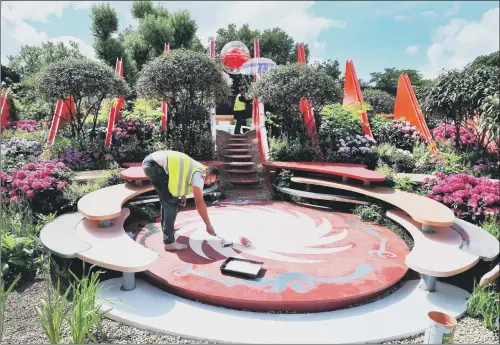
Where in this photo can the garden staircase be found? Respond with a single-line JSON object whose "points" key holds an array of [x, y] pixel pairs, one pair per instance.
{"points": [[241, 171]]}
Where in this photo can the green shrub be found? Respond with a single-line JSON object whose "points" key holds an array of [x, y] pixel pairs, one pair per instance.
{"points": [[337, 122], [53, 313], [483, 302], [381, 102], [283, 179], [148, 110], [399, 160], [492, 225], [291, 150]]}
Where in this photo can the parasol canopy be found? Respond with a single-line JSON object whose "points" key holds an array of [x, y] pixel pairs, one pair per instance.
{"points": [[257, 65]]}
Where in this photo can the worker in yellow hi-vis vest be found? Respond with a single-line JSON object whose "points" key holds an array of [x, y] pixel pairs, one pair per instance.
{"points": [[239, 109], [175, 175]]}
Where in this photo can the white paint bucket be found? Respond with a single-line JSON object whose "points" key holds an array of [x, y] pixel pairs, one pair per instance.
{"points": [[441, 328]]}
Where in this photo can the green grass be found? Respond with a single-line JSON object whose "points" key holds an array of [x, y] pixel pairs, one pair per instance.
{"points": [[484, 302]]}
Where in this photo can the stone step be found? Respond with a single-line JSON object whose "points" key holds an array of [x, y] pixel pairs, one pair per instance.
{"points": [[241, 171], [238, 145], [243, 181], [239, 140], [239, 164], [238, 135], [238, 156], [237, 150]]}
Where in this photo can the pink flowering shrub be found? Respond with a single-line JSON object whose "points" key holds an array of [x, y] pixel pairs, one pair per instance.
{"points": [[27, 125], [469, 197], [445, 132], [41, 185]]}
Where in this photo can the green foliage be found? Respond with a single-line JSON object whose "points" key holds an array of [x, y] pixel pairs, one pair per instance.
{"points": [[388, 80], [283, 179], [376, 214], [144, 109], [381, 102], [104, 20], [88, 81], [285, 86], [4, 295], [291, 150], [191, 82], [332, 68], [141, 9], [397, 159], [53, 313], [492, 225], [9, 76], [337, 122], [390, 174], [404, 183], [276, 45], [84, 316], [184, 29], [32, 59], [21, 250], [490, 60], [484, 302], [458, 95]]}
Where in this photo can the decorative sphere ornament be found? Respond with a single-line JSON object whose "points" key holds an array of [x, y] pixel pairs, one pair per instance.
{"points": [[233, 55]]}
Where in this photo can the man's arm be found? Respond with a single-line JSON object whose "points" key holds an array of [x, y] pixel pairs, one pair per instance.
{"points": [[201, 207]]}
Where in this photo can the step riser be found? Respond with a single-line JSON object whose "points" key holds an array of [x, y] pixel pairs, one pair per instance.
{"points": [[238, 145], [235, 151], [242, 172]]}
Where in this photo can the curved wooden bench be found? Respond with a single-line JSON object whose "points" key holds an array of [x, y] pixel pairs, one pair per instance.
{"points": [[112, 248], [439, 254], [423, 210], [59, 236], [321, 196], [353, 171], [106, 203]]}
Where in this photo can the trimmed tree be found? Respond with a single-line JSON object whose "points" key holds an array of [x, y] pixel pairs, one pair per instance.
{"points": [[190, 82], [285, 86], [381, 102], [88, 82], [459, 96]]}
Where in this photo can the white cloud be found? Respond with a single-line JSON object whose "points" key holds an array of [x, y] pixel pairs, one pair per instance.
{"points": [[293, 17], [400, 17], [461, 41], [412, 50], [453, 10], [16, 32], [430, 14]]}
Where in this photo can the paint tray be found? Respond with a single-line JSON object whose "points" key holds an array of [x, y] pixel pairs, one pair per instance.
{"points": [[241, 268]]}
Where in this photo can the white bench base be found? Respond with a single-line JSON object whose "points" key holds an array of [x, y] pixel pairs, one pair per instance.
{"points": [[150, 308]]}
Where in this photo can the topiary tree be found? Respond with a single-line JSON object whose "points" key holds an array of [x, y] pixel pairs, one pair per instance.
{"points": [[381, 102], [190, 82], [87, 81], [285, 86], [459, 96]]}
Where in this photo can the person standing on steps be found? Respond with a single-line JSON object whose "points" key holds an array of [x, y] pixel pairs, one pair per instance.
{"points": [[174, 175], [239, 110]]}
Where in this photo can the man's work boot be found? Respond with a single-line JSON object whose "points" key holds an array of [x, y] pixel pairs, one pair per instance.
{"points": [[174, 246]]}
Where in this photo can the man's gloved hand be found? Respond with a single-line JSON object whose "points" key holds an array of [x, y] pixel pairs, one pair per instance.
{"points": [[183, 201]]}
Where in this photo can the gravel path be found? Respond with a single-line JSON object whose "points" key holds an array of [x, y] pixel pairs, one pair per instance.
{"points": [[22, 325]]}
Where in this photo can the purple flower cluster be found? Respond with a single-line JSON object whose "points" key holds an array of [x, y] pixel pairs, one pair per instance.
{"points": [[466, 195], [445, 132], [400, 134], [356, 149], [128, 128], [75, 159], [21, 146]]}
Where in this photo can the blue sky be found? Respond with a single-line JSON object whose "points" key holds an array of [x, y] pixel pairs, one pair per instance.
{"points": [[425, 35]]}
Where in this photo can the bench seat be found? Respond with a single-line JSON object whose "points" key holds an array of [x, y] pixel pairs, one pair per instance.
{"points": [[478, 241], [435, 254], [112, 248], [106, 203], [353, 171], [321, 196], [423, 210], [60, 238]]}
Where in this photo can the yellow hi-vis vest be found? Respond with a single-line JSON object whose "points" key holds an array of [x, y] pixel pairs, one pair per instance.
{"points": [[238, 105], [181, 168]]}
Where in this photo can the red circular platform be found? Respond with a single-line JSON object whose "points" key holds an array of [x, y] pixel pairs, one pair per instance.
{"points": [[314, 259]]}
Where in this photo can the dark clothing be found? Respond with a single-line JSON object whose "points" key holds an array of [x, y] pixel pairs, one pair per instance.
{"points": [[241, 116], [169, 203]]}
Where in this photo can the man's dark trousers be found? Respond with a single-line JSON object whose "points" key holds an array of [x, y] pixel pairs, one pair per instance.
{"points": [[169, 203]]}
